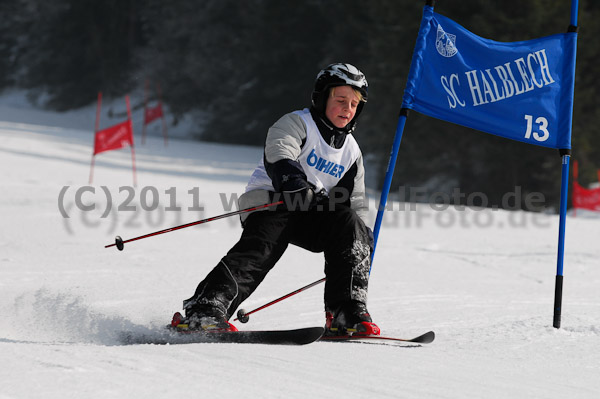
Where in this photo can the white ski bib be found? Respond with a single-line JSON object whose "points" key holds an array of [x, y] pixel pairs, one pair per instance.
{"points": [[324, 165]]}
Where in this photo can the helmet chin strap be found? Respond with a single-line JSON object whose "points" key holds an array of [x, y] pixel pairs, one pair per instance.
{"points": [[349, 128]]}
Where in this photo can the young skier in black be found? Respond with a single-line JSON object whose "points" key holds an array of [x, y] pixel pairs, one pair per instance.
{"points": [[315, 165]]}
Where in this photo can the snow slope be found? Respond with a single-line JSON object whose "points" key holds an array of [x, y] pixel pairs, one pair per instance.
{"points": [[483, 280]]}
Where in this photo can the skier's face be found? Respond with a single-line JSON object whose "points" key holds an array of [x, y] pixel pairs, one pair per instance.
{"points": [[341, 106]]}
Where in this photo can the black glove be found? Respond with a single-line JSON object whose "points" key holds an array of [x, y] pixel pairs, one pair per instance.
{"points": [[300, 200]]}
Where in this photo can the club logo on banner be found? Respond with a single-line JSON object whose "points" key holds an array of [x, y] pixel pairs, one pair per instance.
{"points": [[445, 43], [519, 90]]}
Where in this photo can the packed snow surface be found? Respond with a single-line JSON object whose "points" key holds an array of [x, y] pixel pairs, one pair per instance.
{"points": [[483, 280]]}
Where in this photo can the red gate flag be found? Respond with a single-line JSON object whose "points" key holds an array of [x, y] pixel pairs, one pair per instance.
{"points": [[113, 138], [585, 198], [153, 113]]}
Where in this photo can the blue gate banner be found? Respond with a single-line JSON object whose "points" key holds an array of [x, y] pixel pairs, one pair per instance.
{"points": [[518, 90]]}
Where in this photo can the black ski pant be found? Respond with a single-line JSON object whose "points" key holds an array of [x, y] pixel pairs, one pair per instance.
{"points": [[340, 234]]}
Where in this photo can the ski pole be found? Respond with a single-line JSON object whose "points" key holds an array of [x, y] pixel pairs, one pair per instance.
{"points": [[244, 316], [119, 242]]}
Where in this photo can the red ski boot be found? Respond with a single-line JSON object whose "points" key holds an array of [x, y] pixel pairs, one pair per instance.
{"points": [[350, 319]]}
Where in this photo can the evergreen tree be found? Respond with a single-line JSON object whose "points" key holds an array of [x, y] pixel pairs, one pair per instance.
{"points": [[240, 65], [75, 48]]}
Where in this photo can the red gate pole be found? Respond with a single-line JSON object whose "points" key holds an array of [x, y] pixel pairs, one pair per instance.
{"points": [[98, 107], [131, 144], [162, 113], [145, 108]]}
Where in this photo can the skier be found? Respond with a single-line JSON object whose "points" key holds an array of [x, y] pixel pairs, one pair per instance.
{"points": [[313, 163]]}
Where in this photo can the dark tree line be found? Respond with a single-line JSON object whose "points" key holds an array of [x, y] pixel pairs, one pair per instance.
{"points": [[245, 63]]}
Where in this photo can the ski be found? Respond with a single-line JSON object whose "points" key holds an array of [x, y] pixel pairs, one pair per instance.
{"points": [[172, 336], [426, 338]]}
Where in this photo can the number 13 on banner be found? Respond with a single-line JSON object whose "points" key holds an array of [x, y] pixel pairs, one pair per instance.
{"points": [[542, 125]]}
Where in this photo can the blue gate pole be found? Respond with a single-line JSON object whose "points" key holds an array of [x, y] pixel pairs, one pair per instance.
{"points": [[388, 178], [564, 189], [574, 7]]}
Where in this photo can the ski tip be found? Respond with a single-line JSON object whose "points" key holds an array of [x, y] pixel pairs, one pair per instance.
{"points": [[426, 338]]}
